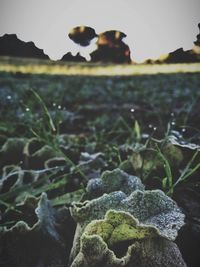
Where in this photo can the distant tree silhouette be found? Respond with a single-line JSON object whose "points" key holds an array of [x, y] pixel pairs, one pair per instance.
{"points": [[181, 56], [197, 42], [110, 38], [71, 58], [189, 56], [111, 48], [82, 35]]}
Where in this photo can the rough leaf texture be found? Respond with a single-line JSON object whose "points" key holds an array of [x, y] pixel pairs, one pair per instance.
{"points": [[142, 244], [38, 241], [111, 181], [152, 208]]}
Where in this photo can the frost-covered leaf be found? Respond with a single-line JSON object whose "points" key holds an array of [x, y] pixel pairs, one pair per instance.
{"points": [[89, 164], [42, 237], [152, 208], [14, 178], [85, 156], [56, 162], [12, 151], [149, 207], [120, 240], [11, 176], [120, 226], [177, 139], [37, 153], [111, 181]]}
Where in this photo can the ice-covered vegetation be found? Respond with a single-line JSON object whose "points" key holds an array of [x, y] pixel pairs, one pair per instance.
{"points": [[112, 151]]}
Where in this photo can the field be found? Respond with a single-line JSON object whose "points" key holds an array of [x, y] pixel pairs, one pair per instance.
{"points": [[62, 124]]}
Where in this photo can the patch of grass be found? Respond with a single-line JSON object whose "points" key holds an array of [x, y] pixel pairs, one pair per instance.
{"points": [[100, 117]]}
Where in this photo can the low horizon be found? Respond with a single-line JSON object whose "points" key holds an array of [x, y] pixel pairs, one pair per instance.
{"points": [[150, 31]]}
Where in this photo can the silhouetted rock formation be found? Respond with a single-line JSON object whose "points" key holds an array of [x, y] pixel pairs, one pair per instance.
{"points": [[181, 56], [10, 45], [111, 48], [70, 57], [82, 35], [189, 56], [197, 42], [178, 56]]}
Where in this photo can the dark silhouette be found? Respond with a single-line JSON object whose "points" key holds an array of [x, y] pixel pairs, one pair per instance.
{"points": [[10, 45], [178, 56], [111, 48], [71, 58], [181, 56], [110, 38], [197, 42], [82, 35], [189, 56]]}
